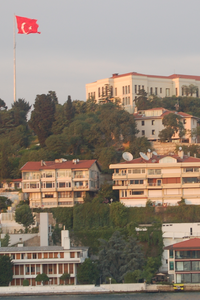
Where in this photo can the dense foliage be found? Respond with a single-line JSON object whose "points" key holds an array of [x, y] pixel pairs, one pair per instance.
{"points": [[6, 273], [24, 216]]}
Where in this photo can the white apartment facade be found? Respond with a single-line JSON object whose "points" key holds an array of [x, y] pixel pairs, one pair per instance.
{"points": [[162, 179], [126, 87], [149, 124], [59, 183]]}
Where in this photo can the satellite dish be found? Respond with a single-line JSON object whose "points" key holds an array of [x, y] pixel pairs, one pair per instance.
{"points": [[127, 156], [144, 156], [180, 148], [149, 150], [154, 153]]}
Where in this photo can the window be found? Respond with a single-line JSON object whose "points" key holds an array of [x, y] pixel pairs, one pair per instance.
{"points": [[137, 171], [176, 92], [184, 121], [153, 122], [135, 89], [151, 91], [99, 92], [123, 90], [136, 181], [154, 171], [128, 89], [115, 91], [190, 180], [136, 193], [142, 123], [156, 91], [143, 132], [160, 90], [190, 231], [153, 132], [49, 184], [72, 254], [142, 87], [77, 194], [138, 88], [171, 254], [185, 170], [61, 184], [34, 255], [167, 92], [171, 265]]}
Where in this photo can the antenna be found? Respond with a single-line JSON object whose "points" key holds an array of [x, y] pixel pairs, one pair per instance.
{"points": [[127, 156], [154, 153], [144, 156]]}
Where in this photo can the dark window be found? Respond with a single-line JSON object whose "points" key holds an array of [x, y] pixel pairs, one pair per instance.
{"points": [[156, 91], [161, 90], [153, 122], [143, 132], [153, 132], [143, 123], [151, 91], [135, 89]]}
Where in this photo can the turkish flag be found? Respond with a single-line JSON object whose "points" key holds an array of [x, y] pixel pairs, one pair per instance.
{"points": [[26, 26]]}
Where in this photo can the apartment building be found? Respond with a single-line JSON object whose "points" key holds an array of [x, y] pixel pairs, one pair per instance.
{"points": [[28, 262], [162, 179], [184, 261], [59, 183], [149, 124], [126, 87]]}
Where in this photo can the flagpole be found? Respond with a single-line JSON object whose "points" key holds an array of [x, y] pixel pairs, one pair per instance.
{"points": [[14, 60]]}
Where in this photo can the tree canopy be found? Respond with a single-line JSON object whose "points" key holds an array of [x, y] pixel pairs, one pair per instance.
{"points": [[24, 216], [6, 273]]}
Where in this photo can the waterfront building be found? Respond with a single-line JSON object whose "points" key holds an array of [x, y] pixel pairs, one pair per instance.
{"points": [[28, 262], [184, 261]]}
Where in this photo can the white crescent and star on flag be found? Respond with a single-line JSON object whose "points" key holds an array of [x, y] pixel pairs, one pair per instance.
{"points": [[23, 29]]}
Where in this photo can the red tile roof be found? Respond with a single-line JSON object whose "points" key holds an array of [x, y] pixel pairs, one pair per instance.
{"points": [[173, 76], [164, 113], [52, 165], [156, 158], [185, 245]]}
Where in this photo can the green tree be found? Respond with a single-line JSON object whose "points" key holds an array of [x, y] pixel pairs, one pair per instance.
{"points": [[42, 278], [6, 273], [111, 257], [87, 272], [173, 124], [64, 277], [69, 110], [23, 215], [141, 101], [118, 214], [57, 143], [5, 240], [150, 269], [42, 117], [140, 144], [133, 277]]}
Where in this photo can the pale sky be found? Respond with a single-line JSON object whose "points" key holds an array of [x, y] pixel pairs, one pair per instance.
{"points": [[82, 41]]}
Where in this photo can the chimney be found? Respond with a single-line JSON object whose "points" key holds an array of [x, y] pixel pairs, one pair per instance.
{"points": [[44, 229], [180, 152], [195, 155], [149, 154], [189, 154], [65, 240]]}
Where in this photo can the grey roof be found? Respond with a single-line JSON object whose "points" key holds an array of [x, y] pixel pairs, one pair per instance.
{"points": [[38, 248]]}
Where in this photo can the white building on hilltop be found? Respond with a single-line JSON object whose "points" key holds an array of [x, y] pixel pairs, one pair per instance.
{"points": [[126, 87]]}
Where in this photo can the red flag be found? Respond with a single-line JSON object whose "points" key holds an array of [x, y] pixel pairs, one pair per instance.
{"points": [[26, 26]]}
